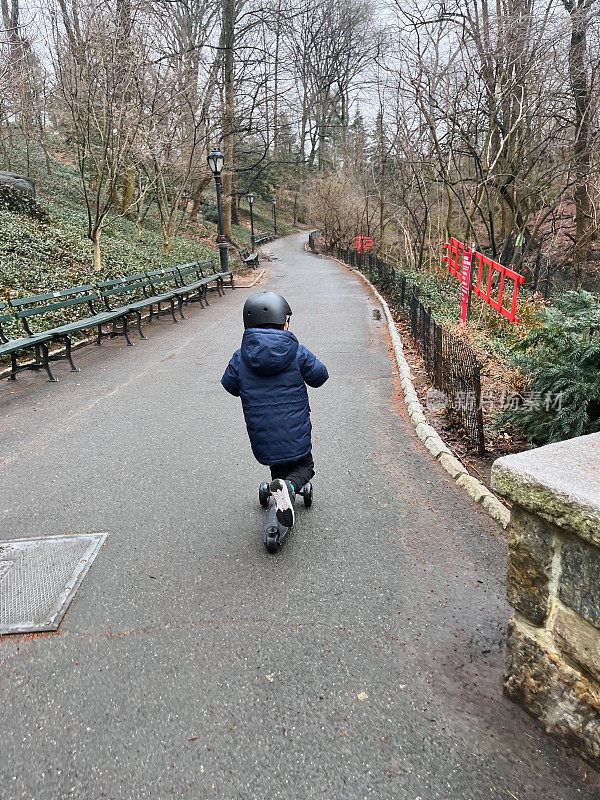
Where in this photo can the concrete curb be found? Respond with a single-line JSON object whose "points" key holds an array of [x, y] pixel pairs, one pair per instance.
{"points": [[259, 277], [255, 281], [428, 435]]}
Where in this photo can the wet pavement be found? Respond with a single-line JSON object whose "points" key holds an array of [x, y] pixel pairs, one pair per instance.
{"points": [[363, 660]]}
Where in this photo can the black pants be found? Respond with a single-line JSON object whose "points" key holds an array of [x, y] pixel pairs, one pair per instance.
{"points": [[298, 473]]}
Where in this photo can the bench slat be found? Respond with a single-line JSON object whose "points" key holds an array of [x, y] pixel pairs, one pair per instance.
{"points": [[141, 276], [30, 312], [4, 317], [38, 298], [123, 289]]}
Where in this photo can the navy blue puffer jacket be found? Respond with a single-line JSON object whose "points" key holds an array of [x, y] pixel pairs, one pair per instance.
{"points": [[270, 372]]}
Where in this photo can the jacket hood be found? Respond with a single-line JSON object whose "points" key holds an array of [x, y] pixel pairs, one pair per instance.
{"points": [[268, 351]]}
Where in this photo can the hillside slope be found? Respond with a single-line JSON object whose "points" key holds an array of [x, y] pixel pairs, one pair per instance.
{"points": [[37, 256]]}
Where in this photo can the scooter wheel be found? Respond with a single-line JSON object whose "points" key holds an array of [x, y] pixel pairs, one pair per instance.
{"points": [[272, 544], [307, 493], [263, 495]]}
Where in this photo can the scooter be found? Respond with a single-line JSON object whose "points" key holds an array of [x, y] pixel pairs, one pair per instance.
{"points": [[274, 531]]}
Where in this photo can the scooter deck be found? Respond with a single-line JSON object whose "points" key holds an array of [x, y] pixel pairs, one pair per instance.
{"points": [[274, 532], [273, 527]]}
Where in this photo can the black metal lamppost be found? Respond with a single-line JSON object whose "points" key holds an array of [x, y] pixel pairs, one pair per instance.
{"points": [[274, 201], [216, 160], [250, 198]]}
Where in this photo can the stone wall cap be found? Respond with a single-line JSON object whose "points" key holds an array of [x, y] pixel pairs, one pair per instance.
{"points": [[559, 482]]}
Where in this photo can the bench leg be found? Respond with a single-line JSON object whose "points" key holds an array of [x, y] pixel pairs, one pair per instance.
{"points": [[13, 367], [46, 361], [180, 304], [205, 293], [98, 341], [126, 333], [220, 287], [175, 320], [68, 354], [139, 324]]}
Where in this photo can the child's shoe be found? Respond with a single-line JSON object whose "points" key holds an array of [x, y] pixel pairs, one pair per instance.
{"points": [[283, 495]]}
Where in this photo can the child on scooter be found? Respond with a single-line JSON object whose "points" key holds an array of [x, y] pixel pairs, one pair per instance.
{"points": [[269, 373]]}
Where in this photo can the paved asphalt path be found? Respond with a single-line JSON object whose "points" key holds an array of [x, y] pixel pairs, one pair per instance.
{"points": [[362, 661]]}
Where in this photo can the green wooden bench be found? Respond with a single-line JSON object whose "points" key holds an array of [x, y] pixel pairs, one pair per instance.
{"points": [[263, 237], [41, 314], [222, 277], [134, 293], [249, 258], [45, 310], [193, 279], [38, 343], [164, 284], [171, 281]]}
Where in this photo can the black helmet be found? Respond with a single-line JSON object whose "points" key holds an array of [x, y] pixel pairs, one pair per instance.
{"points": [[266, 308]]}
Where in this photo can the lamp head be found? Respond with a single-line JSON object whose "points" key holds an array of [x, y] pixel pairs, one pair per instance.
{"points": [[216, 160]]}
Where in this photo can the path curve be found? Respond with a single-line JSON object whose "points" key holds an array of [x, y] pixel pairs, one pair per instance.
{"points": [[364, 660]]}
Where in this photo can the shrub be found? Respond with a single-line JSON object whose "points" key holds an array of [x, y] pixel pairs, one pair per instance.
{"points": [[561, 358], [210, 213]]}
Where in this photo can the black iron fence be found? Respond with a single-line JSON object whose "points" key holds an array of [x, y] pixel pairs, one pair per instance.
{"points": [[350, 257], [452, 364]]}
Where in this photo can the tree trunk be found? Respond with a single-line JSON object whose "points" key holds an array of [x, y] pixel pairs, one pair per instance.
{"points": [[276, 103], [578, 11], [124, 25], [128, 190], [228, 11], [382, 162], [197, 197], [195, 206], [97, 255]]}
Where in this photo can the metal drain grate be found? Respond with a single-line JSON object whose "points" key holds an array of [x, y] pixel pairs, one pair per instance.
{"points": [[38, 578]]}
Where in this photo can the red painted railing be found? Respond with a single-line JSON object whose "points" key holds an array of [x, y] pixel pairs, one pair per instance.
{"points": [[488, 278], [454, 256]]}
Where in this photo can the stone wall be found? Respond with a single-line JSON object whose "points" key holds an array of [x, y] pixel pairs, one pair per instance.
{"points": [[553, 584]]}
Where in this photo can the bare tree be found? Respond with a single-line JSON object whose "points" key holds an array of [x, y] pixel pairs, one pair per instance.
{"points": [[100, 88], [185, 30], [323, 37], [22, 98], [579, 12]]}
